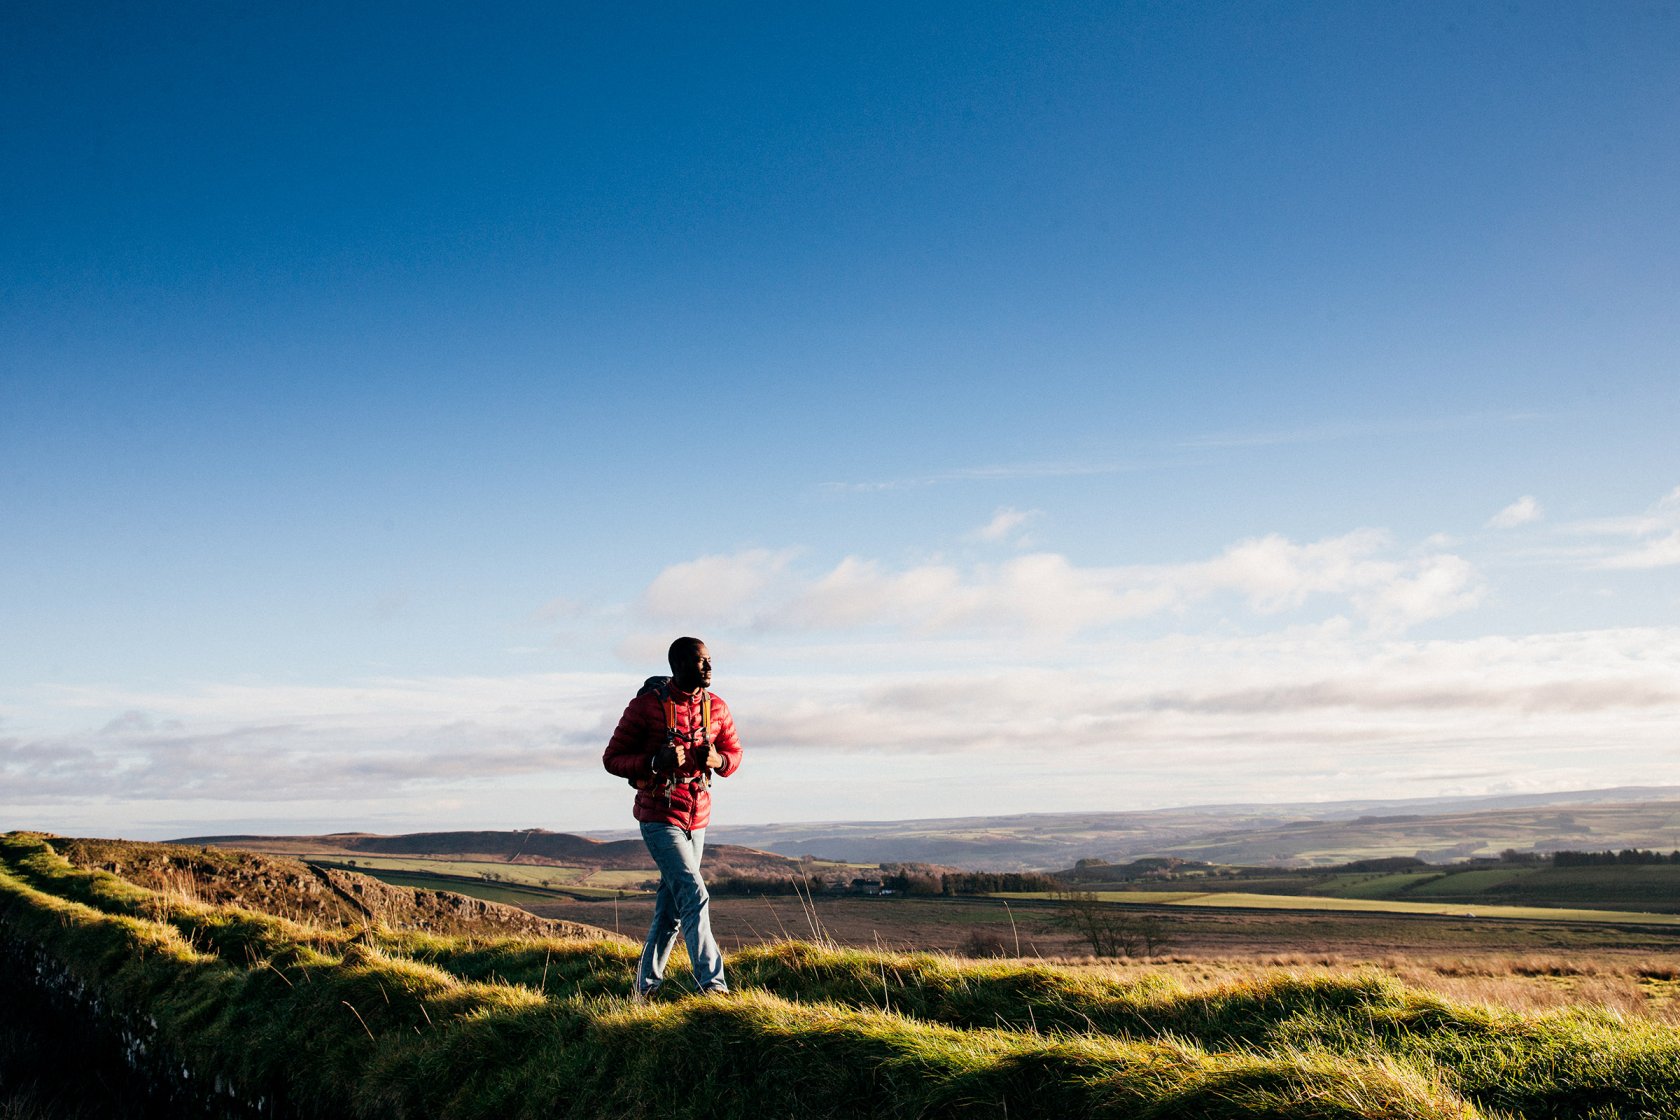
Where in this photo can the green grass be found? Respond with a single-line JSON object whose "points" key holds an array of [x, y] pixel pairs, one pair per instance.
{"points": [[367, 1022], [1651, 886], [1375, 886], [1473, 884]]}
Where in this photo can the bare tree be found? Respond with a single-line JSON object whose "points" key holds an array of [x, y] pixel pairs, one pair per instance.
{"points": [[1111, 931]]}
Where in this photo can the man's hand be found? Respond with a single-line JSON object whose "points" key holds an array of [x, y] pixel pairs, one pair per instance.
{"points": [[675, 757]]}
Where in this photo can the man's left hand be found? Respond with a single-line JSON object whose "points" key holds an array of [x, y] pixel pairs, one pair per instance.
{"points": [[713, 758]]}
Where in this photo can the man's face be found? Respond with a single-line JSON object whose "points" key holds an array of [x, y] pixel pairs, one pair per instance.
{"points": [[692, 668]]}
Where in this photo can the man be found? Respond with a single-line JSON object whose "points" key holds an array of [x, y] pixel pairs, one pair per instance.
{"points": [[670, 740]]}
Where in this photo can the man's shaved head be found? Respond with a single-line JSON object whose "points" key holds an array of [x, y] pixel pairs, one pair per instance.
{"points": [[681, 648], [691, 664]]}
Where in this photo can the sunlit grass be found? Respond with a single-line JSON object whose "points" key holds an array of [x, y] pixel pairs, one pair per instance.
{"points": [[367, 1021]]}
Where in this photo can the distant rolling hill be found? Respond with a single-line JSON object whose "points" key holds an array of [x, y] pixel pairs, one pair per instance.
{"points": [[1304, 834], [1287, 835]]}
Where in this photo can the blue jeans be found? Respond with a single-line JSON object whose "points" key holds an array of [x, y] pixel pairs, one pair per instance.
{"points": [[682, 905]]}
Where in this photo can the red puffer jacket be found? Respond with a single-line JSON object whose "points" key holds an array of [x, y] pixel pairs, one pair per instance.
{"points": [[640, 735]]}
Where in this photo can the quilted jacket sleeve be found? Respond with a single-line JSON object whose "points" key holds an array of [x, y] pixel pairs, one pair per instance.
{"points": [[640, 733], [728, 743]]}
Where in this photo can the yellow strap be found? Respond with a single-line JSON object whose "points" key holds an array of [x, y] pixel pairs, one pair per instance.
{"points": [[705, 722]]}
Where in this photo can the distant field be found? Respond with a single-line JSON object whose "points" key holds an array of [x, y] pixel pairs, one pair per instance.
{"points": [[515, 884], [580, 882], [1638, 889], [1250, 901], [577, 880], [528, 874], [489, 892]]}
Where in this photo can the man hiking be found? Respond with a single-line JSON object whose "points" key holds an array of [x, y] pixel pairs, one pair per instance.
{"points": [[670, 741]]}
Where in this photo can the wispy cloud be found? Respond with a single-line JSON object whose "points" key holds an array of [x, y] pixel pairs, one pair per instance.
{"points": [[1007, 525], [1650, 539], [1181, 453], [1661, 553], [1520, 512], [1330, 433], [1278, 438], [282, 743], [1000, 472]]}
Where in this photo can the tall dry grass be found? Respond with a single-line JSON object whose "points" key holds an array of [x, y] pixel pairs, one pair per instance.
{"points": [[1644, 986]]}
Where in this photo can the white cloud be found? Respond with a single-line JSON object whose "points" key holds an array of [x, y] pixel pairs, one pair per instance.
{"points": [[1435, 587], [1116, 724], [713, 587], [1045, 594], [1520, 512], [1032, 683]]}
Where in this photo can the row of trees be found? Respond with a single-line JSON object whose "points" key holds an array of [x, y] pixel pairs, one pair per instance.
{"points": [[918, 879], [914, 878], [992, 882], [1601, 859]]}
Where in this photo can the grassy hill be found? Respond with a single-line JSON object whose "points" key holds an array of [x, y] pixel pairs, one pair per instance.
{"points": [[273, 1015]]}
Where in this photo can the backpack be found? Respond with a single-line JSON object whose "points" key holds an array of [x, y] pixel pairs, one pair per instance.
{"points": [[662, 685]]}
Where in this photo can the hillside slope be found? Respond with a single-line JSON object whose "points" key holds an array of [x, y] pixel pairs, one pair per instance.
{"points": [[291, 889], [275, 1018]]}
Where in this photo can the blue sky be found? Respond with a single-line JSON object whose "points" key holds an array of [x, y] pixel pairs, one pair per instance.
{"points": [[1037, 407]]}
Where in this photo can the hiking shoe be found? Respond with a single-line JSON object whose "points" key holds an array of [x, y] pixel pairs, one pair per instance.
{"points": [[639, 994]]}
